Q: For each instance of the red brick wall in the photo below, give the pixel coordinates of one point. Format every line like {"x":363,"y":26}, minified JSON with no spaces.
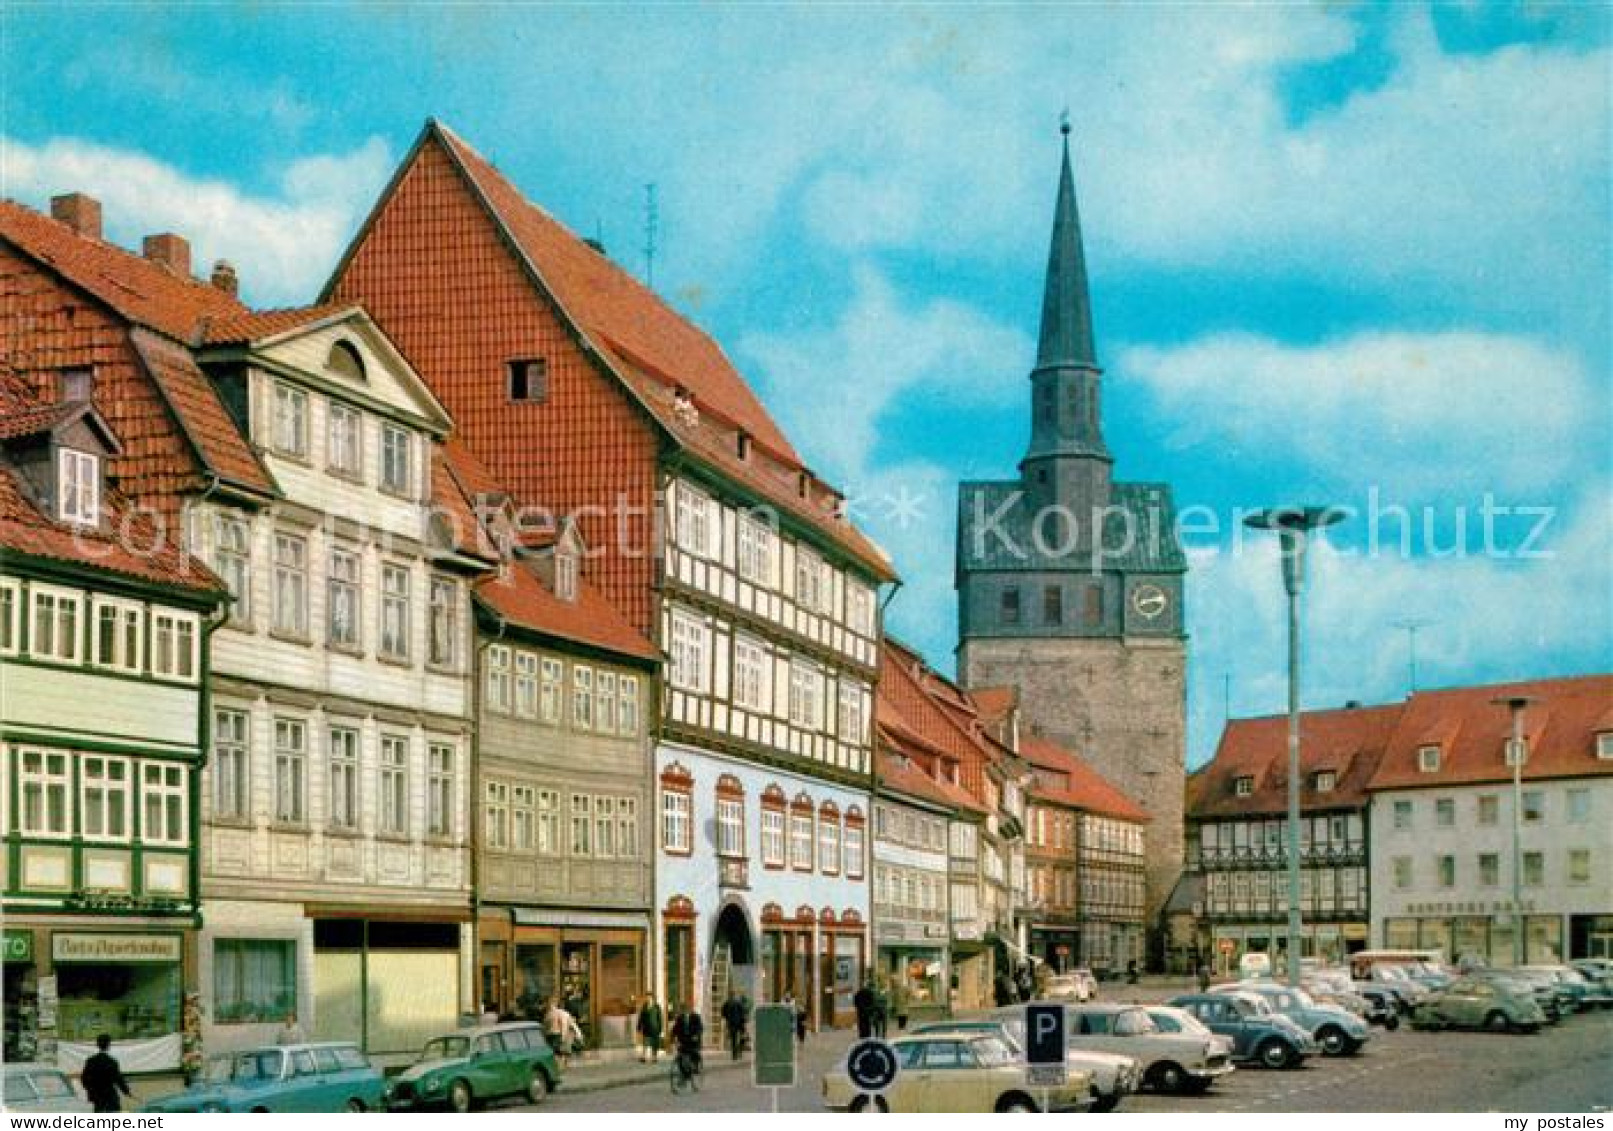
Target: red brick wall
{"x":435,"y":274}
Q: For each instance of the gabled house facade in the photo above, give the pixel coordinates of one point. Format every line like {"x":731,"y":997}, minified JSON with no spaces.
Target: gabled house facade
{"x":584,"y":392}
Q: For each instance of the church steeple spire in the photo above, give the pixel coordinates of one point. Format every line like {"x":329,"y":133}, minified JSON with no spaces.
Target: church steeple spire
{"x":1066,"y":337}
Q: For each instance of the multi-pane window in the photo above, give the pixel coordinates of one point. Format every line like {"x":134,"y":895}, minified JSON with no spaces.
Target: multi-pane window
{"x":773,"y":835}
{"x":498,"y":679}
{"x":442,"y":646}
{"x":627,"y":827}
{"x":104,"y":798}
{"x":860,"y":607}
{"x":1534,"y":869}
{"x":526,"y":685}
{"x":548,"y":813}
{"x":496,"y":834}
{"x":605,"y":827}
{"x":1489,"y":809}
{"x":10,"y":610}
{"x":394,"y":459}
{"x":751,"y":678}
{"x":850,"y":721}
{"x":1579,"y":806}
{"x":801,"y":841}
{"x":676,"y":824}
{"x":1534,"y":806}
{"x":1445,"y":812}
{"x":290,"y":771}
{"x":755,"y":552}
{"x":342,"y":448}
{"x":605,"y":702}
{"x":1579,"y":865}
{"x":811,"y":580}
{"x":342,"y":612}
{"x":78,"y":487}
{"x":553,"y":672}
{"x":1402,"y":869}
{"x":118,"y":635}
{"x":1446,"y":869}
{"x":232,"y":766}
{"x":291,"y":584}
{"x":343,"y":766}
{"x":523,"y":805}
{"x":691,"y":645}
{"x":54,"y":633}
{"x":394,"y":785}
{"x":1428,"y":759}
{"x":565,"y":576}
{"x":163,"y":804}
{"x":829,"y":843}
{"x":582,"y":697}
{"x":232,"y":561}
{"x":806,"y":689}
{"x":290,"y":421}
{"x":1052,"y":604}
{"x":852,"y":843}
{"x":1009,"y":610}
{"x":582,"y":828}
{"x":730,"y":826}
{"x":173,"y":645}
{"x":1402,"y":814}
{"x":627,"y":714}
{"x":693,"y":520}
{"x":1489,"y":869}
{"x":395,"y":612}
{"x":440,"y":790}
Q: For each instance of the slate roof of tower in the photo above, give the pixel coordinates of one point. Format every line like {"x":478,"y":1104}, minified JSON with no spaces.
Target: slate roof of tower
{"x":1066,"y":331}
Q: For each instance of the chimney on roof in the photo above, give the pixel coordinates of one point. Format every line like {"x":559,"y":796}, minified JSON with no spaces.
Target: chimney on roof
{"x":79,"y":212}
{"x":1352,"y":704}
{"x":595,"y":243}
{"x":223,"y":277}
{"x":166,"y":249}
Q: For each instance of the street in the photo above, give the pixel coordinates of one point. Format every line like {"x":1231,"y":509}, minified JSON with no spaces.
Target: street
{"x":1563,"y":1069}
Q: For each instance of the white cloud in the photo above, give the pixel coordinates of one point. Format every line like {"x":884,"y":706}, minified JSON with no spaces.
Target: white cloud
{"x":1414,"y":414}
{"x":282,"y":245}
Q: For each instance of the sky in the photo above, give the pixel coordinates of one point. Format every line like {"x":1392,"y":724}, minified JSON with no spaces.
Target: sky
{"x":1338,"y":254}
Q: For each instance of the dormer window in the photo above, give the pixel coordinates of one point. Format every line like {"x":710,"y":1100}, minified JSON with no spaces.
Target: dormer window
{"x":1604,"y":746}
{"x":1428,"y":759}
{"x":529,"y":379}
{"x":77,"y":385}
{"x":78,"y":487}
{"x":1517,"y":752}
{"x":1323,"y":781}
{"x":1243,"y":785}
{"x":565,"y":576}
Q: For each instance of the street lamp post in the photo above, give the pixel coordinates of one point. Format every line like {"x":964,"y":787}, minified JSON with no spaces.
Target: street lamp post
{"x":1293,"y":526}
{"x":1516,"y":704}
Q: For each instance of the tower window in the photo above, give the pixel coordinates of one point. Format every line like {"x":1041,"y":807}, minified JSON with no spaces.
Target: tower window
{"x":1053,"y":605}
{"x":1094,"y":605}
{"x":529,"y":379}
{"x":1010,"y":606}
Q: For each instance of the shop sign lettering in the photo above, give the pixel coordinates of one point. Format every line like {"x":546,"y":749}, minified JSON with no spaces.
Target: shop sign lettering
{"x":74,"y":947}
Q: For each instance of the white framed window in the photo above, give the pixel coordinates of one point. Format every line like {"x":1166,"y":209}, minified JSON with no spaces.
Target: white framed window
{"x":691,"y":654}
{"x":675,"y":821}
{"x":344,"y":599}
{"x":343,"y":450}
{"x":693,"y":521}
{"x":78,"y":487}
{"x":1445,"y":812}
{"x":627,"y":715}
{"x":604,"y":827}
{"x":1428,"y":759}
{"x":549,"y":690}
{"x":1324,"y":781}
{"x":394,"y":785}
{"x":175,"y":644}
{"x":806,"y":694}
{"x":290,"y":420}
{"x":103,"y":790}
{"x":1579,"y":806}
{"x":232,"y":561}
{"x":1402,"y":814}
{"x":605,"y":702}
{"x":526,"y":685}
{"x":1243,"y":785}
{"x":396,"y":463}
{"x":1534,"y":869}
{"x":118,"y":634}
{"x":582,"y":824}
{"x":1534,"y":806}
{"x":440,"y":790}
{"x":753,"y":681}
{"x":582,"y":697}
{"x":291,"y":584}
{"x":496,"y":822}
{"x":498,"y":679}
{"x":163,"y":804}
{"x":850,"y":720}
{"x":442,"y":645}
{"x":565,"y":576}
{"x":1489,"y":807}
{"x":1579,"y":865}
{"x":730,"y":826}
{"x":232,"y":766}
{"x":811,"y":580}
{"x":44,"y":781}
{"x":55,"y":627}
{"x":395,"y":612}
{"x":10,"y":616}
{"x":852,"y":842}
{"x":548,"y":816}
{"x":1604,"y":745}
{"x":859,"y":608}
{"x":523,"y":806}
{"x":343,"y":764}
{"x":627,"y":838}
{"x":829,"y":843}
{"x":1517,"y":752}
{"x":755,"y":551}
{"x":290,"y":771}
{"x":772,"y":836}
{"x":801,"y":841}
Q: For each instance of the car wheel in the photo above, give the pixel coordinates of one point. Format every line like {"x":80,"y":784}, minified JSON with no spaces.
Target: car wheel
{"x":1015,"y":1103}
{"x":1275,"y":1054}
{"x":459,"y":1096}
{"x":1106,"y":1103}
{"x":537,"y":1088}
{"x":1497,"y":1022}
{"x":875,"y":1104}
{"x":355,"y":1106}
{"x":1168,"y":1077}
{"x":1334,"y":1041}
{"x":1392,"y":1022}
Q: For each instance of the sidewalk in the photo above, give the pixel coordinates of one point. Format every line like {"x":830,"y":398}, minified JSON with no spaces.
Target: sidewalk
{"x":598,"y":1076}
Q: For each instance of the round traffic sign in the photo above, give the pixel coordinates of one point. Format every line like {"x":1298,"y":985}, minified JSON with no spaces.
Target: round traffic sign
{"x":872,"y":1065}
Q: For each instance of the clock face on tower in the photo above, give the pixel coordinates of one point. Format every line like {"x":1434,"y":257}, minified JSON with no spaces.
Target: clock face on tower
{"x":1149,"y":601}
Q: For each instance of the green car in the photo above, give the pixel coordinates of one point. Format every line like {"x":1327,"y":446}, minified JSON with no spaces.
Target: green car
{"x":312,"y":1077}
{"x":459,"y":1070}
{"x":1472,"y":1003}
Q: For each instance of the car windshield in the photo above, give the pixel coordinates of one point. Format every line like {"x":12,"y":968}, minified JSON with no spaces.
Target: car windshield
{"x":446,"y":1048}
{"x":993,"y":1052}
{"x":243,"y":1067}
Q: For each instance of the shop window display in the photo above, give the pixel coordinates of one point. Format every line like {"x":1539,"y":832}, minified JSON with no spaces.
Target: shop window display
{"x":254,"y":980}
{"x":131,"y":1002}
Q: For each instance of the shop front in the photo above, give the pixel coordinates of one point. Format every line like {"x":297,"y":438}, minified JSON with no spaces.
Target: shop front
{"x":592,"y":963}
{"x":21,"y":987}
{"x":1330,"y":943}
{"x":843,"y":955}
{"x":970,"y":961}
{"x":1059,"y":947}
{"x":914,"y":969}
{"x":788,"y":969}
{"x":1490,"y":938}
{"x":388,"y":984}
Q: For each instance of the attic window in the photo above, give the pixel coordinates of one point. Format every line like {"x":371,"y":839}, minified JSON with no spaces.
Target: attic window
{"x":1517,"y":752}
{"x":742,"y":445}
{"x":1323,"y":781}
{"x":77,"y":384}
{"x":1604,"y":746}
{"x":565,"y":576}
{"x":78,"y":487}
{"x":1243,"y":785}
{"x":344,"y":361}
{"x":1428,"y":759}
{"x":529,"y":380}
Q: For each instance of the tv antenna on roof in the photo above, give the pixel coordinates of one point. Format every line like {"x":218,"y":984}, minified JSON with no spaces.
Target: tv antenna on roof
{"x":652,"y":222}
{"x":1410,"y":626}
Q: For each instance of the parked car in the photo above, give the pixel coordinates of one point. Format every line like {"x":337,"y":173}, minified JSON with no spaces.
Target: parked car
{"x":297,"y":1078}
{"x":1582,"y":991}
{"x":1077,"y":985}
{"x":1171,"y":1061}
{"x":1258,"y":1035}
{"x":956,"y":1071}
{"x":41,"y":1088}
{"x":1598,"y":972}
{"x":1114,"y":1077}
{"x":1337,"y":1031}
{"x":1171,"y":1023}
{"x":462,"y":1069}
{"x":1554,"y":998}
{"x":1337,"y":987}
{"x":1475,"y":1003}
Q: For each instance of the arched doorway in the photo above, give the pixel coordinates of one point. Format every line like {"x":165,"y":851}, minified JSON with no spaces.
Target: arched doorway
{"x":733,"y":961}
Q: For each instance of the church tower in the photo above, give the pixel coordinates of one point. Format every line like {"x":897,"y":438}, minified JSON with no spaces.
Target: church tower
{"x":1070,"y":583}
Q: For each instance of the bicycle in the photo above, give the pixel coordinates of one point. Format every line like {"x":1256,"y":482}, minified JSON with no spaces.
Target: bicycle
{"x":685,"y":1072}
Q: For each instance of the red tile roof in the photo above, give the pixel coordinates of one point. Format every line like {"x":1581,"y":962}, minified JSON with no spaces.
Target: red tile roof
{"x":900,"y":775}
{"x":520,"y":597}
{"x":15,"y":422}
{"x":916,"y":705}
{"x":1560,"y":730}
{"x":1081,"y":787}
{"x":255,"y":325}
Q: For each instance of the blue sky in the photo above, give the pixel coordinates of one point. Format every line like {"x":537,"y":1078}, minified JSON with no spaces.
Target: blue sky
{"x":1352,"y":255}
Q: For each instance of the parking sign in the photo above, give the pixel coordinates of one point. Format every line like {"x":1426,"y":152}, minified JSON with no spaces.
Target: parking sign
{"x":1044,"y":1034}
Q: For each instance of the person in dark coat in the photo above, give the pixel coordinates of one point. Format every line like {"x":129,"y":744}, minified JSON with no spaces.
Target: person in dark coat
{"x":863,"y":1002}
{"x":734,"y":1016}
{"x":1002,"y":990}
{"x":651,"y":1021}
{"x":103,"y":1078}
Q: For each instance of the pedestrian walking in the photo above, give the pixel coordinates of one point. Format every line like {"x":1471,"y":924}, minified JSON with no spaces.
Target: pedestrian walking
{"x":881,"y":1011}
{"x":565,"y":1035}
{"x":650,"y":1023}
{"x":102,"y":1077}
{"x":863,"y":1002}
{"x":734,"y":1018}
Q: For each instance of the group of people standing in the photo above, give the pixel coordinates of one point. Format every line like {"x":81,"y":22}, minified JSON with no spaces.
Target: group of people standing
{"x":688,"y":1028}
